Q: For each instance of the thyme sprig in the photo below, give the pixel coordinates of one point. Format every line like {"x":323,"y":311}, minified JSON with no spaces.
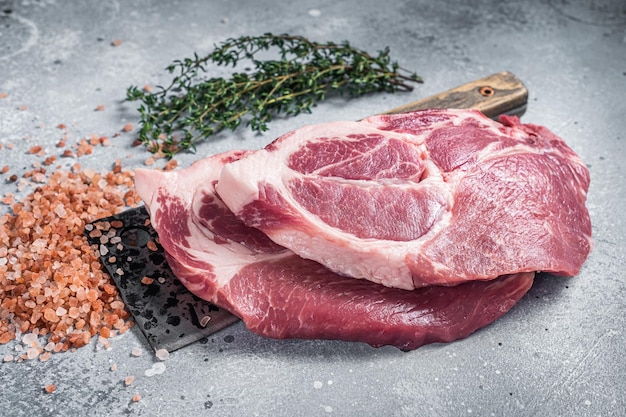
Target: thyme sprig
{"x":193,"y":107}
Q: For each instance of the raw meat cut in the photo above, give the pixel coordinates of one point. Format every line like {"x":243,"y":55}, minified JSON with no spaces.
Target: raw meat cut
{"x":281,"y":295}
{"x":436,"y":197}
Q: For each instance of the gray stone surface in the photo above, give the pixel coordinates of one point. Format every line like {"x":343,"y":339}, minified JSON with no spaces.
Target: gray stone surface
{"x":558,"y":352}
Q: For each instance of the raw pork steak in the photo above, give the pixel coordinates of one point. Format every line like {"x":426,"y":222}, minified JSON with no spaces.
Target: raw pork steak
{"x":433,"y":197}
{"x":280,"y":295}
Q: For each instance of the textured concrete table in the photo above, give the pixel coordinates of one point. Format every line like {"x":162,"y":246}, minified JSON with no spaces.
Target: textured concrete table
{"x":558,"y":352}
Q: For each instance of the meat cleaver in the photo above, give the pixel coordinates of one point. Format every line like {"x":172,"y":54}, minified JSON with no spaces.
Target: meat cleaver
{"x":169,"y":315}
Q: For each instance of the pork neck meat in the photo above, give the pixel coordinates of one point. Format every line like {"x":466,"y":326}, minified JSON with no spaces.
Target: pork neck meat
{"x":436,"y":197}
{"x":278,"y":294}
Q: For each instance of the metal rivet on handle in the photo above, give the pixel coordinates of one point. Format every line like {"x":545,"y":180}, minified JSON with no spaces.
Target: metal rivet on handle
{"x":486,"y":91}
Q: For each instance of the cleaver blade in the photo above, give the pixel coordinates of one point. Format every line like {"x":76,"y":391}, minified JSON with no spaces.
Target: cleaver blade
{"x":168,"y":314}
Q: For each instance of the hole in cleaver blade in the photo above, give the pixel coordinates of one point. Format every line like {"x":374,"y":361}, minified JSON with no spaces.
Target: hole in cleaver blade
{"x":168,"y":314}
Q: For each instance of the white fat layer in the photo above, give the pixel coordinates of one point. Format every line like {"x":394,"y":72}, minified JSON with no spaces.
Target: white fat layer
{"x":188,"y":186}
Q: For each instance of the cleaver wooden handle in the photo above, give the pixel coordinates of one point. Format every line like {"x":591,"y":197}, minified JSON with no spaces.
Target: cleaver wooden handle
{"x":496,"y":94}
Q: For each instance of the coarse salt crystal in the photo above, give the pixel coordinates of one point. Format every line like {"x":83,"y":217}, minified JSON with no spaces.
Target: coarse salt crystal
{"x":74,"y":312}
{"x":117,"y":305}
{"x":60,"y":210}
{"x":136,"y":352}
{"x":29,"y":339}
{"x":156,"y":369}
{"x":162,"y":354}
{"x":147,"y":280}
{"x":32,"y":353}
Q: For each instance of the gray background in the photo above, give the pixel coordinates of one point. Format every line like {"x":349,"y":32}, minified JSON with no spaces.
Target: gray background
{"x":558,"y":352}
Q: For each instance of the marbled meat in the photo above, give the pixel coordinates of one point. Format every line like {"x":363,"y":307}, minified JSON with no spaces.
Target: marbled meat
{"x":279,"y":294}
{"x":436,"y":197}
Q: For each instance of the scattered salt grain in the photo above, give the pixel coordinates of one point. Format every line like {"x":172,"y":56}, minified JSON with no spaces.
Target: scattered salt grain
{"x":147,"y":280}
{"x":119,"y":305}
{"x":156,"y":369}
{"x":162,"y":354}
{"x":60,"y":211}
{"x":32,"y":353}
{"x":30,"y":339}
